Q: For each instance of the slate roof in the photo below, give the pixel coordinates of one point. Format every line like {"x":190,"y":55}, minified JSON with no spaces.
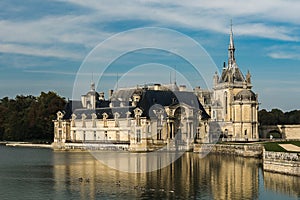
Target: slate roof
{"x":70,"y":106}
{"x":150,"y":100}
{"x":232,"y":73}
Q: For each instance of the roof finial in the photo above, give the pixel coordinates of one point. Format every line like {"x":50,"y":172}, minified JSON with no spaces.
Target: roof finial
{"x":175,"y":76}
{"x":92,"y":83}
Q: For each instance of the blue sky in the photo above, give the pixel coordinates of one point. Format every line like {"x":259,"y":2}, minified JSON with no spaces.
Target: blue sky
{"x":43,"y":43}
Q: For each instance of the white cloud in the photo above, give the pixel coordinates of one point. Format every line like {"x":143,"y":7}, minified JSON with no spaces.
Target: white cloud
{"x":251,"y":19}
{"x":64,"y":31}
{"x":38,"y":51}
{"x":284,"y":52}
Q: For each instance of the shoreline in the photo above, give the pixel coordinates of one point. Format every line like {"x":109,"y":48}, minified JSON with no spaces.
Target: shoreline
{"x":278,"y":162}
{"x":26,"y":144}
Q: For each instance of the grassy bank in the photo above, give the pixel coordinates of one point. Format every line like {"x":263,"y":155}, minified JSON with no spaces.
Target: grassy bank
{"x":274,"y":146}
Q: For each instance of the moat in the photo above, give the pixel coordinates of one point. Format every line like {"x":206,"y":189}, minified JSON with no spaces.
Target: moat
{"x":32,"y":173}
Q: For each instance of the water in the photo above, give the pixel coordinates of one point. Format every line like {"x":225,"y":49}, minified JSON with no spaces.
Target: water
{"x":28,"y":173}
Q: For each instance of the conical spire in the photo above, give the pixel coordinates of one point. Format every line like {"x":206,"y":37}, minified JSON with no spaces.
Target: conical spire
{"x":231,"y":49}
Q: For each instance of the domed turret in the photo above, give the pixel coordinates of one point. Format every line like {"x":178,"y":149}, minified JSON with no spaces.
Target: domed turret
{"x":245,"y":95}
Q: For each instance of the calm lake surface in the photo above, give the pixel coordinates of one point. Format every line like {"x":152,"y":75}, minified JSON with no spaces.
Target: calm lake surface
{"x":29,"y":173}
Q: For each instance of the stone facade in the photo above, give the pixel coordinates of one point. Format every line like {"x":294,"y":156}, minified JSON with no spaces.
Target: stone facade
{"x":232,"y":103}
{"x":144,"y":119}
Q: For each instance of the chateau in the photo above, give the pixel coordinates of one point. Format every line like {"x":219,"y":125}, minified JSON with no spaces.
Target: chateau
{"x":159,"y":116}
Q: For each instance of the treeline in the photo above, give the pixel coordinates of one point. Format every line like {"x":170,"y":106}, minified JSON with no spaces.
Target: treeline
{"x":276,"y":116}
{"x":29,"y":118}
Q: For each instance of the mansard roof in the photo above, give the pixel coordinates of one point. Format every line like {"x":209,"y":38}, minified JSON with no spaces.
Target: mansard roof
{"x":154,"y":98}
{"x":70,"y":106}
{"x":73,"y":105}
{"x":149,"y":100}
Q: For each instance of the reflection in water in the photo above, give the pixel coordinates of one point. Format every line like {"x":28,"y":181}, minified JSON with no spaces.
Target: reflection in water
{"x":43,"y":174}
{"x":282,"y":183}
{"x":218,"y":177}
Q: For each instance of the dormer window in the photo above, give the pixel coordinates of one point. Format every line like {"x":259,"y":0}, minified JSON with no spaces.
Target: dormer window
{"x":138,"y":112}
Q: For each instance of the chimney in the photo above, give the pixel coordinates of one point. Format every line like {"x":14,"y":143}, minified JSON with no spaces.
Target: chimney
{"x":101,"y":96}
{"x":182,"y":88}
{"x":157,"y":86}
{"x":110,"y":93}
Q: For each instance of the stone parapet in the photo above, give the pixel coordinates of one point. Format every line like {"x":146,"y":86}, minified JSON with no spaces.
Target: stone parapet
{"x":90,"y":146}
{"x":250,"y":150}
{"x":282,"y":162}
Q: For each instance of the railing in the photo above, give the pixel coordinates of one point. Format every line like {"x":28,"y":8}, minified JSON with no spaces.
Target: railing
{"x":103,"y":141}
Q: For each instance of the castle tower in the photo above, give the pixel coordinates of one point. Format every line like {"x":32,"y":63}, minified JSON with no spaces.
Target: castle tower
{"x":234,"y":103}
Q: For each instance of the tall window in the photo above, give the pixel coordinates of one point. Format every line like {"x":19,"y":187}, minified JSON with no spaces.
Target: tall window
{"x":138,"y":120}
{"x":59,"y":135}
{"x":138,"y":136}
{"x":105,"y":135}
{"x":226,"y":102}
{"x":158,"y":134}
{"x":198,"y":133}
{"x":74,"y":135}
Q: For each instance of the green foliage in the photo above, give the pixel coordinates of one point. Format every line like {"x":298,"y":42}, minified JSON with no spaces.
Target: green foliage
{"x":28,"y":118}
{"x":276,"y":116}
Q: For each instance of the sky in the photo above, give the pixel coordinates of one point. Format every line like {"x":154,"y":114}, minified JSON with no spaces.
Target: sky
{"x":44,"y":44}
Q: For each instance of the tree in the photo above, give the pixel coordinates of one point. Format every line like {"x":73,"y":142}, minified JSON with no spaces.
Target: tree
{"x":28,"y":118}
{"x":276,"y":116}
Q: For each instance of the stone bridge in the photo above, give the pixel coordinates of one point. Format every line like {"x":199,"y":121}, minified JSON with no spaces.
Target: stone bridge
{"x":280,"y":131}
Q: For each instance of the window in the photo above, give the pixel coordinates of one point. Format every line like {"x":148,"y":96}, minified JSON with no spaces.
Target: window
{"x":226,"y":102}
{"x":105,"y":135}
{"x":158,"y":134}
{"x":74,"y":135}
{"x":59,"y":135}
{"x":95,"y":135}
{"x":138,"y":136}
{"x":198,"y":133}
{"x":118,"y":135}
{"x":138,"y":120}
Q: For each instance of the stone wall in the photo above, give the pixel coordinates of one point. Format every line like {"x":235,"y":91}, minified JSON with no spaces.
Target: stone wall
{"x":289,"y":132}
{"x":249,"y":150}
{"x":282,"y":162}
{"x":90,"y":146}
